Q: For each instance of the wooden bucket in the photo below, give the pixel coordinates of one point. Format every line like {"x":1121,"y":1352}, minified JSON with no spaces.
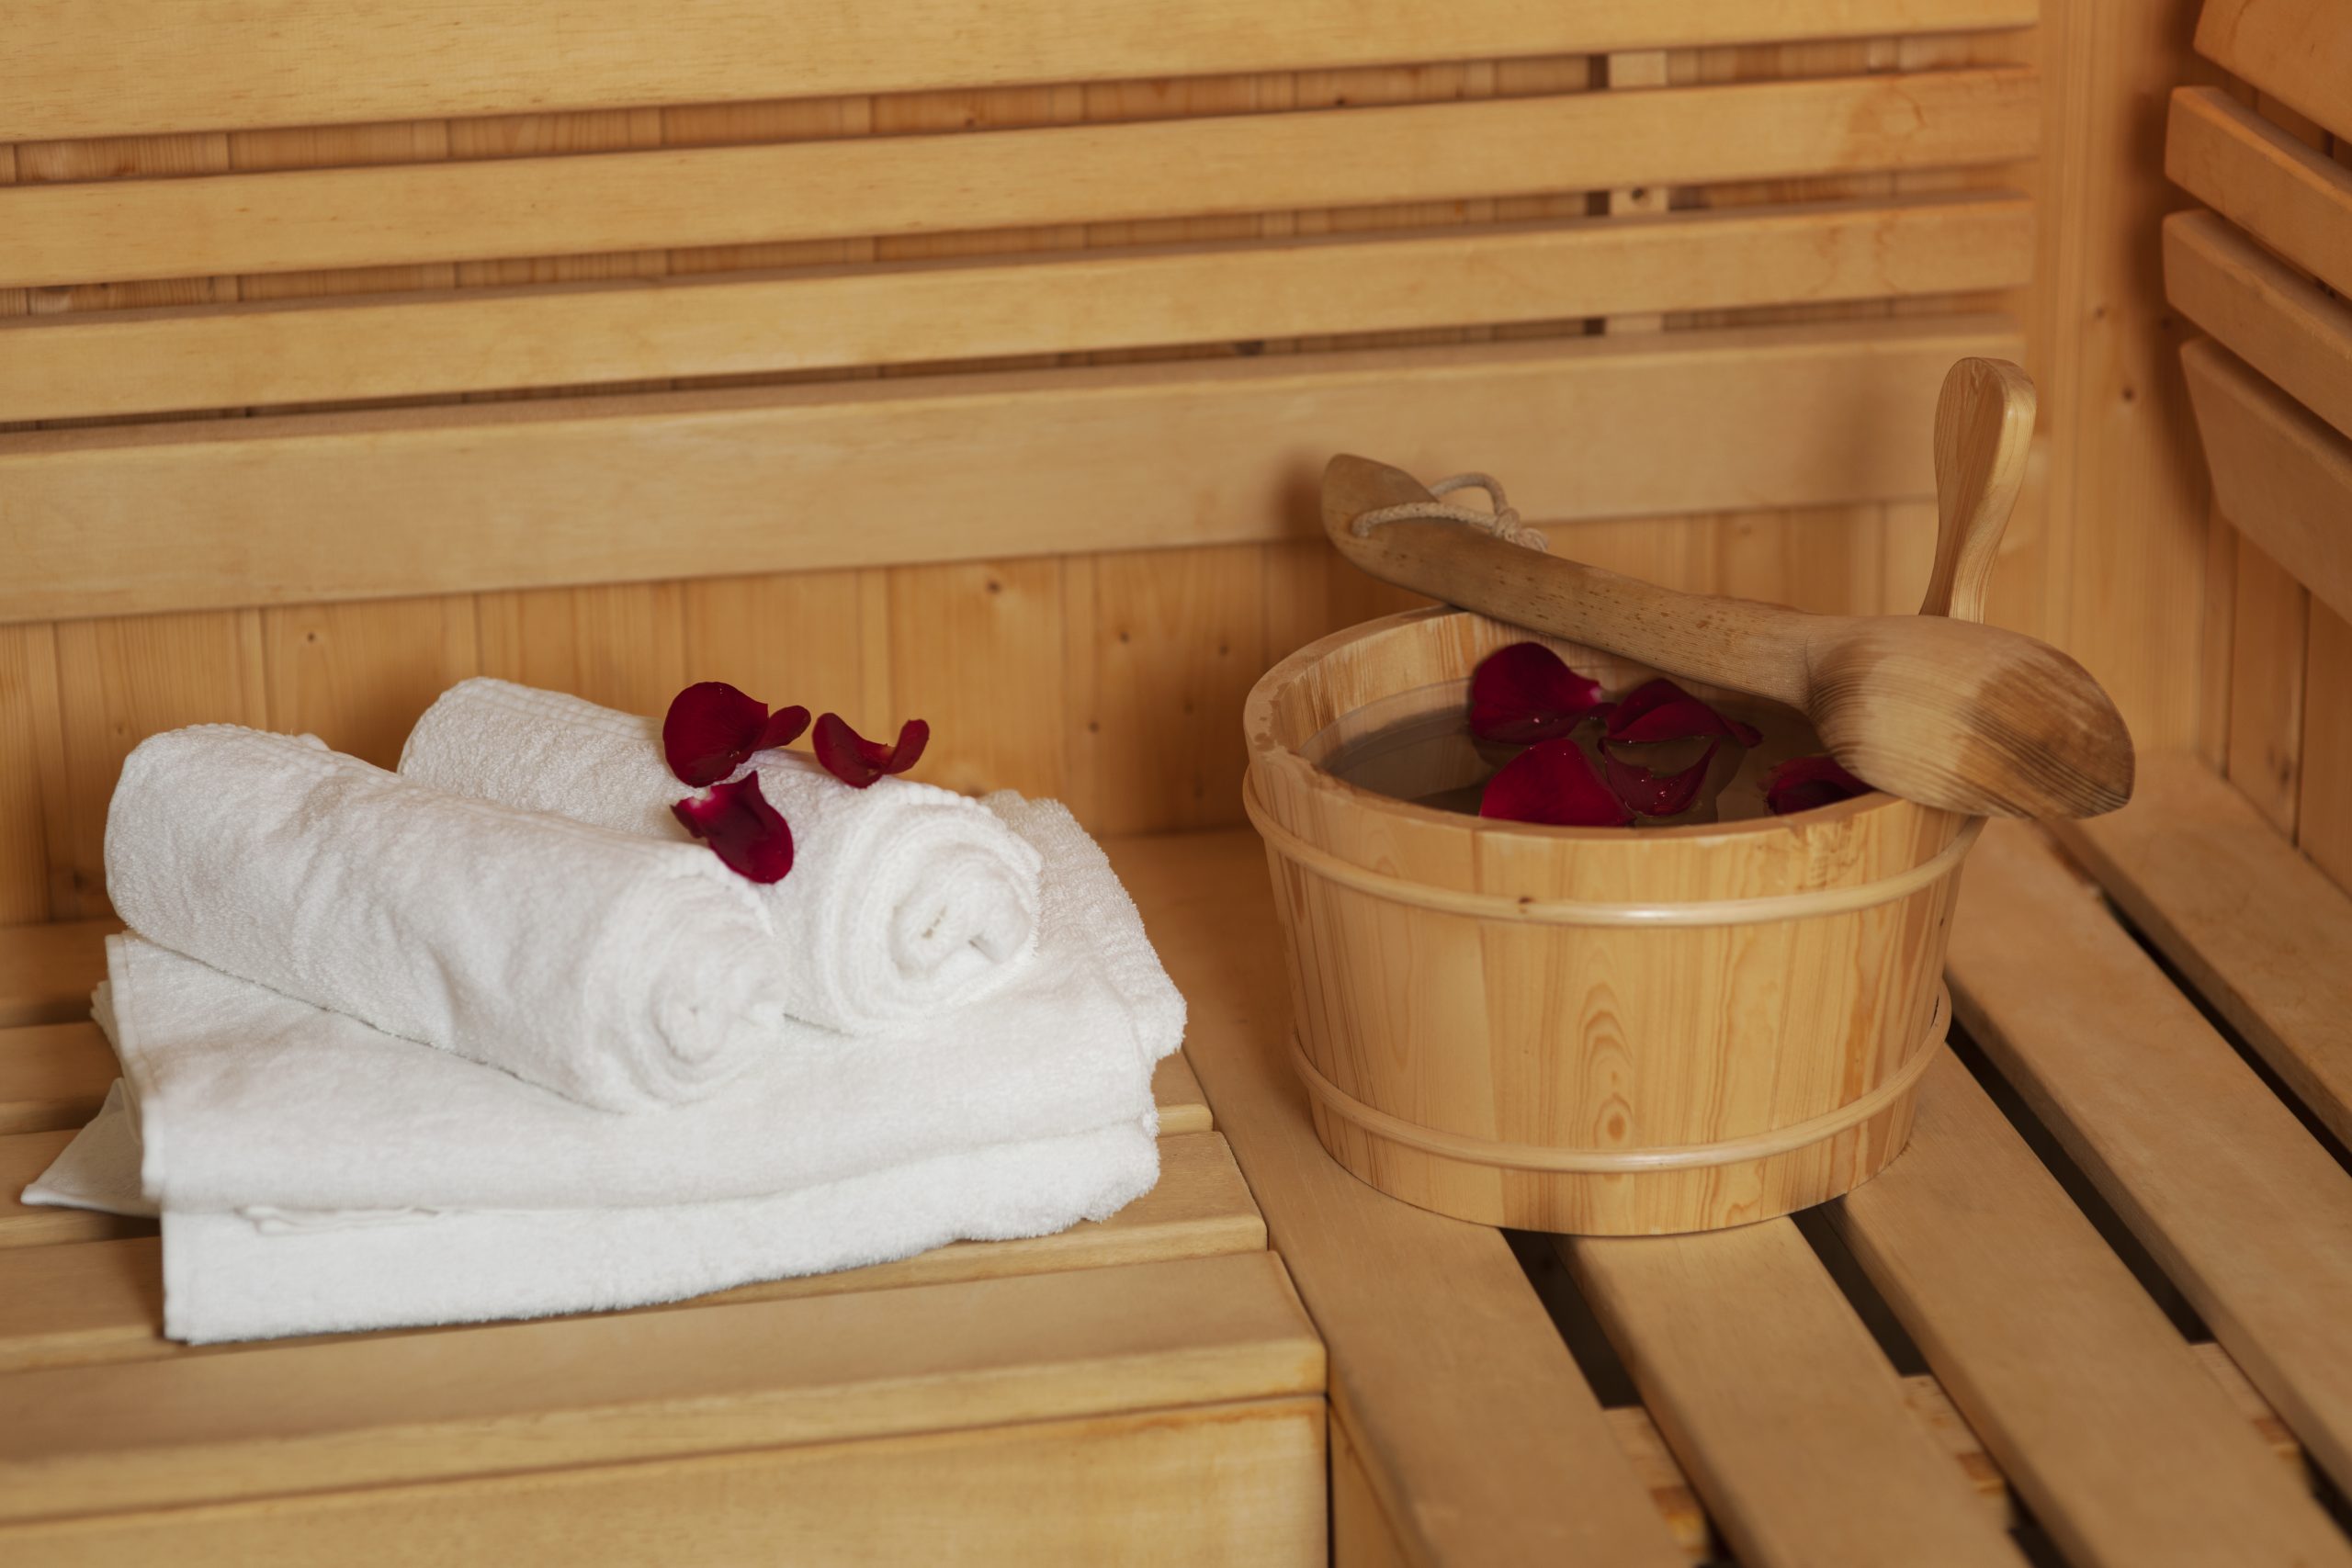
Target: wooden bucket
{"x":1589,"y":1029}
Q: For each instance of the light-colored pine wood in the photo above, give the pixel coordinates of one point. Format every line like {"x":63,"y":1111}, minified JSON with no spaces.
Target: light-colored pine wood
{"x":2266,"y":312}
{"x":1955,"y":714}
{"x":2123,"y":1448}
{"x":619,"y":644}
{"x":104,"y":1302}
{"x":2217,"y":642}
{"x":405,"y":1408}
{"x":1360,"y":1536}
{"x":2293,"y":200}
{"x":47,"y":971}
{"x":2270,"y":615}
{"x":2323,"y":827}
{"x":1239,"y":1483}
{"x":903,"y":185}
{"x":1767,"y":1386}
{"x":2299,"y":50}
{"x":1644,"y":1053}
{"x":28,"y":709}
{"x":2259,"y":933}
{"x":620,"y":488}
{"x":126,"y":362}
{"x":160,"y":68}
{"x":2187,"y":1147}
{"x":359,"y":675}
{"x":52,"y":1076}
{"x":2281,"y":475}
{"x":996,"y":724}
{"x":1455,"y":1430}
{"x":23,"y":1157}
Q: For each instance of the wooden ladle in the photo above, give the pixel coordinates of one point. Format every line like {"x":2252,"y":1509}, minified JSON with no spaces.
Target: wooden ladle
{"x":1934,"y":707}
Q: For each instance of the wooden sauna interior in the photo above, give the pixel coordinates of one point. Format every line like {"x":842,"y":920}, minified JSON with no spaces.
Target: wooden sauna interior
{"x":977,"y":363}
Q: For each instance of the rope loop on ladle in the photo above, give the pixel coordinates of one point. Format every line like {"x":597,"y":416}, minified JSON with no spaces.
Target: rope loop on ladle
{"x":1502,"y":522}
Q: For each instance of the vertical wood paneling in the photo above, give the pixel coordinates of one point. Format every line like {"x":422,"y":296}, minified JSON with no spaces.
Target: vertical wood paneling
{"x":1157,"y":682}
{"x":975,"y":649}
{"x":790,"y":638}
{"x":358,"y":675}
{"x":2266,"y":727}
{"x":119,"y":681}
{"x":619,"y":644}
{"x":27,"y":695}
{"x":2325,"y":828}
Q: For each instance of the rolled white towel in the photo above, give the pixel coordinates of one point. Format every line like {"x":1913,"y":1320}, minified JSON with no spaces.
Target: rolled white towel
{"x":904,"y":899}
{"x":619,"y":971}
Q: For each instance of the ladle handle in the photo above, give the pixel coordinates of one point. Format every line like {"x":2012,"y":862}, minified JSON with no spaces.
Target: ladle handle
{"x":1983,"y":433}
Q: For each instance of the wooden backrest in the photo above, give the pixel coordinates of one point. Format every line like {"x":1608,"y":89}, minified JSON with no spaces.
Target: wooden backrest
{"x":2265,"y":271}
{"x":858,"y":370}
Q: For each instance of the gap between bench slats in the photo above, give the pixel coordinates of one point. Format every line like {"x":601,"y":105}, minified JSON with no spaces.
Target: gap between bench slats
{"x":2299,"y":51}
{"x":217,"y":512}
{"x":158,"y":65}
{"x":2296,"y":201}
{"x":2126,"y":1452}
{"x":124,"y":362}
{"x":2268,"y":313}
{"x":863,"y":188}
{"x":2242,"y":1211}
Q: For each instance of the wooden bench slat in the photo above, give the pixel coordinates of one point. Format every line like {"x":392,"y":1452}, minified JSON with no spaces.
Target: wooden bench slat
{"x":154,"y":65}
{"x":104,"y":1303}
{"x":2239,"y":1206}
{"x":1477,"y":1434}
{"x":2299,"y":51}
{"x":124,"y":520}
{"x":1789,"y":1423}
{"x":2269,"y":315}
{"x":47,"y":972}
{"x":2097,"y":1412}
{"x":126,"y":362}
{"x":2296,"y":201}
{"x":867,"y":187}
{"x":2261,"y":933}
{"x":1238,"y":1485}
{"x":52,"y":1076}
{"x":1183,"y":1107}
{"x":2281,"y":475}
{"x":403,"y":1408}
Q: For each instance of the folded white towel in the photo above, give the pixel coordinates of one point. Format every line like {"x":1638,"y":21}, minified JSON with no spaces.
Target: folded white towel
{"x":617,"y":970}
{"x":903,"y":899}
{"x":249,"y":1099}
{"x":263,"y":1273}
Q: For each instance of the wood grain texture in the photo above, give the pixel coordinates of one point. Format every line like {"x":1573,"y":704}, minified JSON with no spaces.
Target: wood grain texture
{"x":359,"y":675}
{"x":2123,"y":1448}
{"x":561,"y":491}
{"x":1764,"y":1383}
{"x":162,"y":67}
{"x":2324,"y":823}
{"x":1240,"y":1482}
{"x":1455,"y":1430}
{"x":104,"y":1302}
{"x":860,"y":187}
{"x":2184,"y":1147}
{"x":52,"y":1076}
{"x":2298,"y":51}
{"x":47,"y":970}
{"x":2293,"y":200}
{"x":2270,"y":615}
{"x":29,"y":718}
{"x":2266,"y":312}
{"x":2279,"y":474}
{"x":388,"y":1409}
{"x":2257,"y":929}
{"x":463,"y":340}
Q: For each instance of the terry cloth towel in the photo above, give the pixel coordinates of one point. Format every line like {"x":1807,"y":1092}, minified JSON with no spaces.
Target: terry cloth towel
{"x":263,"y":1273}
{"x":903,"y":900}
{"x":616,"y":970}
{"x":248,"y":1098}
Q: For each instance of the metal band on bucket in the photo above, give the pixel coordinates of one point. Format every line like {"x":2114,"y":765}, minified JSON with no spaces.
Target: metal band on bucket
{"x":1808,"y":904}
{"x":1460,"y":1146}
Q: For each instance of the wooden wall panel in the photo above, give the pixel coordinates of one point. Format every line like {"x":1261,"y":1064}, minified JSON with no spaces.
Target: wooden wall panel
{"x":976,"y":650}
{"x":2324,"y":825}
{"x":27,"y":706}
{"x":357,"y":675}
{"x":2265,"y":723}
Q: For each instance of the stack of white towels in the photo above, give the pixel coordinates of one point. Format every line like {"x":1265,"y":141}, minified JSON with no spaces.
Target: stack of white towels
{"x":491,"y":1037}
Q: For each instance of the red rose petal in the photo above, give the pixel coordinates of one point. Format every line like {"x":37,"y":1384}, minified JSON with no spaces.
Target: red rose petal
{"x":1552,"y":782}
{"x":745,"y":832}
{"x":1526,"y":692}
{"x":1661,"y":710}
{"x":857,"y":762}
{"x":1802,"y":782}
{"x":783,"y":727}
{"x":712,"y":730}
{"x":1657,"y":795}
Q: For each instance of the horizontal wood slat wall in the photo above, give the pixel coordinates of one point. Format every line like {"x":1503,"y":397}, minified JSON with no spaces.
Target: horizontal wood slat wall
{"x":2265,"y":273}
{"x":166,"y":65}
{"x":864,"y":577}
